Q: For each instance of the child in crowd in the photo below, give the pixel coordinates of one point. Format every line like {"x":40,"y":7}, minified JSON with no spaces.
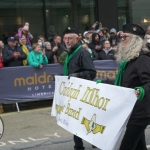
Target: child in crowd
{"x":25,"y":33}
{"x":36,"y":57}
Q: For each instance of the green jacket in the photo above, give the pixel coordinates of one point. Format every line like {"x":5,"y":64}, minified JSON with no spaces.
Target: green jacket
{"x":36,"y":59}
{"x":62,"y":57}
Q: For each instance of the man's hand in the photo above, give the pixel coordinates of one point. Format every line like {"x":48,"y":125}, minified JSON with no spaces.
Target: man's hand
{"x":96,"y":22}
{"x":43,"y":52}
{"x":73,"y":75}
{"x":55,"y":49}
{"x":28,"y":32}
{"x":16,"y":55}
{"x":98,"y":47}
{"x":137,"y":92}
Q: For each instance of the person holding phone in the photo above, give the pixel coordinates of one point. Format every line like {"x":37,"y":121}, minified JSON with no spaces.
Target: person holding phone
{"x":12,"y":54}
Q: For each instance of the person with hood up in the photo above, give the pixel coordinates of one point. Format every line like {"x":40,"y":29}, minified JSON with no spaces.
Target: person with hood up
{"x":92,"y":53}
{"x":106,"y":33}
{"x":101,"y":35}
{"x":24,"y":32}
{"x":96,"y":44}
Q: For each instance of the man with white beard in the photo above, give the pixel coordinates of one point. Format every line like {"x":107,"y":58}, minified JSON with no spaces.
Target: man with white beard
{"x":134,"y":72}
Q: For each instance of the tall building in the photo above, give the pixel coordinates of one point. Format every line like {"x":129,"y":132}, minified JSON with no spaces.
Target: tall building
{"x":48,"y":16}
{"x":133,"y":11}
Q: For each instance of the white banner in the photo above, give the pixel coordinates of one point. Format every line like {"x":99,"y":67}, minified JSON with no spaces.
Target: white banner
{"x":97,"y":113}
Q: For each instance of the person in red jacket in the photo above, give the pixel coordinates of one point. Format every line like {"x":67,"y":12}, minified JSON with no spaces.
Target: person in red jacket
{"x":1,"y":60}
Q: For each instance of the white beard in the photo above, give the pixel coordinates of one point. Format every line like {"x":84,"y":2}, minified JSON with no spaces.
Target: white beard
{"x":131,"y":51}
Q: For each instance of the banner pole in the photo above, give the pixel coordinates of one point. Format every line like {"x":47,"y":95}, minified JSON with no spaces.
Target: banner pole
{"x":17,"y":107}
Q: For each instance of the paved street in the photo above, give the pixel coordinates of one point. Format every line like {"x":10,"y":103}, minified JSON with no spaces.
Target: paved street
{"x":36,"y":130}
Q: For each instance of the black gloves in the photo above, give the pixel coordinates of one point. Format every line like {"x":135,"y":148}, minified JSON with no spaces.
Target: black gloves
{"x":73,"y":75}
{"x":107,"y":81}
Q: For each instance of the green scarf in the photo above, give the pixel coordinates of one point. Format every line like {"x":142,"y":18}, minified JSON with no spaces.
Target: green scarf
{"x":118,"y":80}
{"x":67,"y":60}
{"x":91,"y":54}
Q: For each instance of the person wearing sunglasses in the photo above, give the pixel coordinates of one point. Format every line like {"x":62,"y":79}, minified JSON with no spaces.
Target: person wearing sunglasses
{"x":134,"y":72}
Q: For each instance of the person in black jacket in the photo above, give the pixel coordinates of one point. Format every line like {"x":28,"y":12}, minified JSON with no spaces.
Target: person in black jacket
{"x":107,"y":53}
{"x":57,"y":42}
{"x":12,"y":54}
{"x":96,"y":44}
{"x":50,"y":52}
{"x":92,"y":53}
{"x":134,"y":72}
{"x":80,"y":66}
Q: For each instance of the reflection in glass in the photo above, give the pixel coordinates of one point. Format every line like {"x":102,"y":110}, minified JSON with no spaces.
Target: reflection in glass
{"x":63,"y":13}
{"x":52,"y":18}
{"x":14,"y":14}
{"x":135,"y":11}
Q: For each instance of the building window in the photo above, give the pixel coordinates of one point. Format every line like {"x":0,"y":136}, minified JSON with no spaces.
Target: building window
{"x":133,"y":11}
{"x":45,"y":17}
{"x":140,"y":12}
{"x":63,"y":13}
{"x":14,"y":14}
{"x":122,"y":13}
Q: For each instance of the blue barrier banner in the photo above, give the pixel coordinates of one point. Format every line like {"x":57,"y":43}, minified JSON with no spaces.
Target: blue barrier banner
{"x":106,"y":69}
{"x":26,"y":83}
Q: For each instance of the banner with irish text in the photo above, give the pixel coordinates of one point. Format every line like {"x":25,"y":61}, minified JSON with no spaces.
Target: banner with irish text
{"x":97,"y":113}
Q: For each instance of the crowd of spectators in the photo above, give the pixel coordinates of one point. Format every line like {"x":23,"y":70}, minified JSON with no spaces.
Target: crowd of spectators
{"x":22,"y":49}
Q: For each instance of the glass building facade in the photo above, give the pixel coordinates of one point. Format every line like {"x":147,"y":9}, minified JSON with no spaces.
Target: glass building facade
{"x":45,"y":16}
{"x":48,"y":16}
{"x":134,"y":11}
